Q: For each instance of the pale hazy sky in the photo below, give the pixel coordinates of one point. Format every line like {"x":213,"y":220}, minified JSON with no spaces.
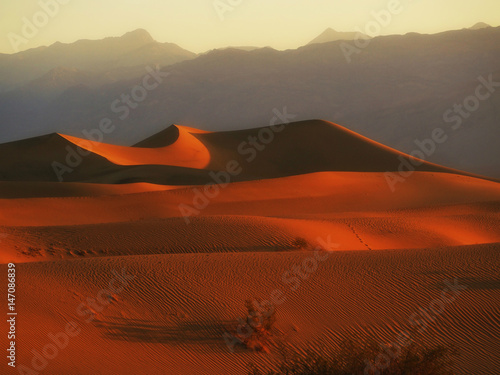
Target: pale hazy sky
{"x":196,"y":26}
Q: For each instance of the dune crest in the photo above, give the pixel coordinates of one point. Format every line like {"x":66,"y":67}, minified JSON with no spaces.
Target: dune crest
{"x":185,"y":151}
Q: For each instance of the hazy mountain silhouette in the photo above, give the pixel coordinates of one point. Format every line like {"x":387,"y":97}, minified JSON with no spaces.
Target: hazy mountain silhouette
{"x":132,"y":49}
{"x":395,"y":91}
{"x":479,"y":25}
{"x":331,"y":35}
{"x":243,"y":48}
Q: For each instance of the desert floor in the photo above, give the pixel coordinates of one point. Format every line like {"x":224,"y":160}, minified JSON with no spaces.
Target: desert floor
{"x":148,"y":291}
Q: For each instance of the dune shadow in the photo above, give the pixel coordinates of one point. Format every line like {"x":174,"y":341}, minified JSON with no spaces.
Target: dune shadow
{"x":207,"y":333}
{"x":473,"y":283}
{"x":481,"y":284}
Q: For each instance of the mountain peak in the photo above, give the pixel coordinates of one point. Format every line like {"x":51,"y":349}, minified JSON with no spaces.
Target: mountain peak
{"x":332,"y":35}
{"x":138,"y":36}
{"x":479,"y":25}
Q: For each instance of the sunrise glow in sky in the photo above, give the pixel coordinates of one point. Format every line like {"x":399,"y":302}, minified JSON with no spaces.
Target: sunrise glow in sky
{"x":200,"y":25}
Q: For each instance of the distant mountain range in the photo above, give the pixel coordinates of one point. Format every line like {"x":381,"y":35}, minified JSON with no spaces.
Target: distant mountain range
{"x":115,"y":57}
{"x":396,"y":91}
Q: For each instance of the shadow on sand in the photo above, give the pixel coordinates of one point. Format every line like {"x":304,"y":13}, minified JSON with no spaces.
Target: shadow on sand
{"x":203,"y":333}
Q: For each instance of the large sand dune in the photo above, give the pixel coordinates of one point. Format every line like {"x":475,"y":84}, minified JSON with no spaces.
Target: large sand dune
{"x":181,"y":156}
{"x":197,"y":252}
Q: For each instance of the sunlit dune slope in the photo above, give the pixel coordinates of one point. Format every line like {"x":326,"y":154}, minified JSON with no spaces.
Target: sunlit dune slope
{"x":318,"y":193}
{"x":424,"y":228}
{"x":184,"y":151}
{"x":429,"y":210}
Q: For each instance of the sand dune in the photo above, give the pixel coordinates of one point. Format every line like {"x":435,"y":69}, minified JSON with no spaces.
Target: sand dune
{"x":184,"y":156}
{"x":430,"y":210}
{"x":197,"y":252}
{"x":305,"y":147}
{"x":323,"y":193}
{"x":33,"y":160}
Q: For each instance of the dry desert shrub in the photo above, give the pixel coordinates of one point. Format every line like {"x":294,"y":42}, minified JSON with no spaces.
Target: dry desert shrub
{"x":361,"y":358}
{"x":300,"y":243}
{"x":255,"y":331}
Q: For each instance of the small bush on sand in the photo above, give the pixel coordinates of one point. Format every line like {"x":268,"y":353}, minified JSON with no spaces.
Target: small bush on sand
{"x":300,"y":243}
{"x":256,"y":329}
{"x":357,"y":358}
